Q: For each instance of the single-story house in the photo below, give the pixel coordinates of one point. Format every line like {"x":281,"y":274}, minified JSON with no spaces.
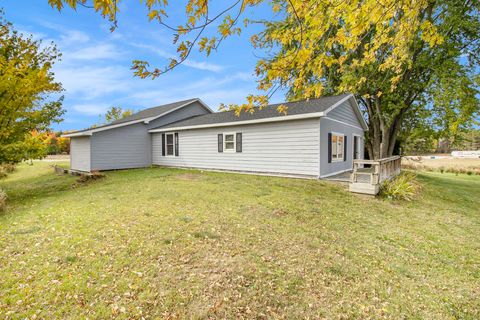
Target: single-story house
{"x":316,"y":138}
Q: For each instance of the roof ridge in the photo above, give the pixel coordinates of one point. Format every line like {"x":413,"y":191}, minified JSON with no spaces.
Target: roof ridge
{"x":280,"y":103}
{"x":309,"y":99}
{"x":166,"y":104}
{"x":134,"y":118}
{"x":305,"y":106}
{"x":287,"y":102}
{"x":181,"y":102}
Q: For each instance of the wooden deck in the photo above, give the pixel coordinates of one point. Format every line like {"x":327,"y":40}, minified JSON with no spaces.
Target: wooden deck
{"x":341,"y":177}
{"x":347,"y":176}
{"x":368,"y":175}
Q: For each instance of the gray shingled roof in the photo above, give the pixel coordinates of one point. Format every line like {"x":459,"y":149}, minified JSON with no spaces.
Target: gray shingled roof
{"x":145,"y":114}
{"x":294,"y":108}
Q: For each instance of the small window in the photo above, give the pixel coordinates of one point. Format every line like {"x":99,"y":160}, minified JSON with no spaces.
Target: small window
{"x":229,"y":141}
{"x":170,"y":144}
{"x":337,"y":146}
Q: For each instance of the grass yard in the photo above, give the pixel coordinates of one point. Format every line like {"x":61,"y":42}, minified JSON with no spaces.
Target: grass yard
{"x":168,"y":243}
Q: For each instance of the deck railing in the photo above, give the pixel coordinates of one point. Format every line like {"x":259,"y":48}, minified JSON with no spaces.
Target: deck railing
{"x":373,"y":173}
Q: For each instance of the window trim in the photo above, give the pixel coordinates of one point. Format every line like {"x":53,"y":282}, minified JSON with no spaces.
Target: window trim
{"x":234,"y":134}
{"x":337,"y":159}
{"x":166,"y":144}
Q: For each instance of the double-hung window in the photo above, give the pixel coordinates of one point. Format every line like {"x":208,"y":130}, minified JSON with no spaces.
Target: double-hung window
{"x":337,"y":144}
{"x":169,"y":144}
{"x":229,"y":142}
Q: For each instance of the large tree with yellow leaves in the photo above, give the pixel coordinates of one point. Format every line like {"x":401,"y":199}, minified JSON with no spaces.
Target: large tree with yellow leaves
{"x":29,"y":95}
{"x":396,"y":56}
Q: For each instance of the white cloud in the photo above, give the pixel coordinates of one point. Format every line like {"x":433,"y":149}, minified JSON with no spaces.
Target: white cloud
{"x":91,"y":109}
{"x":212,"y":90}
{"x":95,"y":52}
{"x":243,"y":76}
{"x":203,"y":65}
{"x":200,"y":65}
{"x":66,"y":36}
{"x":69,"y":37}
{"x":156,"y":50}
{"x":90,"y":82}
{"x":95,"y":72}
{"x":35,"y":35}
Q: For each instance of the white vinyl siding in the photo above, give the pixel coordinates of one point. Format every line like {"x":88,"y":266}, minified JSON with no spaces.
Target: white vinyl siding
{"x":289,"y":147}
{"x":344,"y":113}
{"x":80,"y":154}
{"x":130,"y":146}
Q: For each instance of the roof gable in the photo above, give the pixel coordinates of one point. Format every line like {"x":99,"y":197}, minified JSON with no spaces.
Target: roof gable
{"x":145,"y":115}
{"x":348,"y":112}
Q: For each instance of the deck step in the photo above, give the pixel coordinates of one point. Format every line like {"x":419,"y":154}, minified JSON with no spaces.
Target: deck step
{"x":365,"y":188}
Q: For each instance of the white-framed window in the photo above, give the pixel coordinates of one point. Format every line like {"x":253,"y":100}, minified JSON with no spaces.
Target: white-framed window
{"x":337,"y":146}
{"x":229,"y":141}
{"x":169,"y":144}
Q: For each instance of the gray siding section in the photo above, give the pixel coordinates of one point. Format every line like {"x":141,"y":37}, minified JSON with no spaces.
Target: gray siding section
{"x":80,"y":153}
{"x":287,"y":147}
{"x":344,"y":113}
{"x":121,"y":148}
{"x":194,"y":109}
{"x":326,"y":126}
{"x":130,"y":146}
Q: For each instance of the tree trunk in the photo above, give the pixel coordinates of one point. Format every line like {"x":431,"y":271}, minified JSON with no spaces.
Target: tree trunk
{"x":381,"y":136}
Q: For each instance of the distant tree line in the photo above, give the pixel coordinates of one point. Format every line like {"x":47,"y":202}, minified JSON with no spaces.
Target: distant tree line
{"x":431,"y":141}
{"x":53,"y":142}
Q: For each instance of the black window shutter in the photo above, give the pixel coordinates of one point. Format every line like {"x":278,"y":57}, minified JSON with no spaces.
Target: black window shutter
{"x":176,"y":144}
{"x":239,"y":142}
{"x":220,"y":142}
{"x":163,"y":144}
{"x":329,"y":147}
{"x":355,"y":146}
{"x":344,"y":148}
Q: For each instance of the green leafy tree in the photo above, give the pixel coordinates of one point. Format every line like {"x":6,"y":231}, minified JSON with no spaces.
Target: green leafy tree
{"x":418,"y":135}
{"x":117,"y":113}
{"x":396,"y":56}
{"x":454,"y":103}
{"x":417,"y":62}
{"x":26,"y":86}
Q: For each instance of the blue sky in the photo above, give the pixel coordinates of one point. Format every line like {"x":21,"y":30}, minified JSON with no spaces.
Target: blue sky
{"x":95,"y":67}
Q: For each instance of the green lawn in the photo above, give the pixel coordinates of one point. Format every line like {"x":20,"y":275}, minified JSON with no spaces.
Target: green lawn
{"x":167,"y":243}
